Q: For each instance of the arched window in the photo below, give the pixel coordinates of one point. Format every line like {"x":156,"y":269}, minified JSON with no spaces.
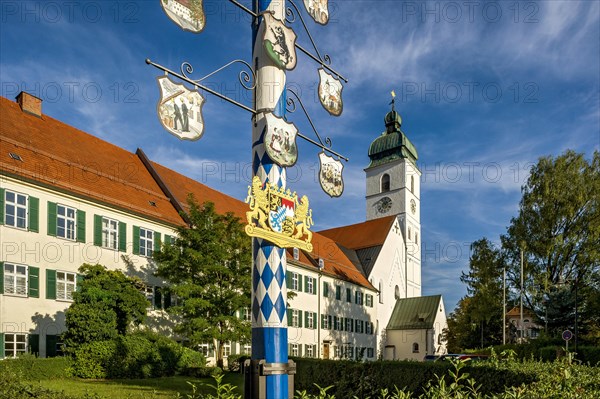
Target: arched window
{"x":412,"y":184}
{"x":417,"y":238}
{"x":381,"y":292}
{"x":397,"y":292}
{"x":409,"y":233}
{"x":385,"y":183}
{"x":415,"y":347}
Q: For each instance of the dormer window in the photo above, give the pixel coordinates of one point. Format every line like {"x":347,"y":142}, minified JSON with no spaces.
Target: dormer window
{"x":385,"y":183}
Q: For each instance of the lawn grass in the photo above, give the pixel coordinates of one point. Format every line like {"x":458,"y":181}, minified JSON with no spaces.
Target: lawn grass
{"x":151,"y":388}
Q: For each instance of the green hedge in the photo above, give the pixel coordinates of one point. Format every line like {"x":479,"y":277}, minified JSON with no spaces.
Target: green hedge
{"x":546,"y":350}
{"x":367,"y":379}
{"x":36,"y":369}
{"x":139,"y":355}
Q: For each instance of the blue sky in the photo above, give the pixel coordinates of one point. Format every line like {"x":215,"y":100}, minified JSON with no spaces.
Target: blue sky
{"x":484,"y":90}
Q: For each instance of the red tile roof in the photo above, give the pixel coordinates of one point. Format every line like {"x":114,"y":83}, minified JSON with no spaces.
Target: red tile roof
{"x":61,"y":156}
{"x":361,"y":235}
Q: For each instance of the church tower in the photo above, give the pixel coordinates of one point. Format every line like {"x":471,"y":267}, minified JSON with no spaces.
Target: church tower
{"x":393,"y":188}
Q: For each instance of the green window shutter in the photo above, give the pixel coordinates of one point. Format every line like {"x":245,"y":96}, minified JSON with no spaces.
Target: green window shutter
{"x":338,"y":292}
{"x":315,"y":321}
{"x":2,"y":222}
{"x":306,"y":318}
{"x":157,"y":297}
{"x":51,"y":341}
{"x":123,"y":237}
{"x":2,"y":279}
{"x":325,"y":289}
{"x":233,"y":348}
{"x":98,"y":230}
{"x":329,"y":321}
{"x":288,"y":279}
{"x":299,"y":282}
{"x":34,"y":344}
{"x":136,"y":240}
{"x":289,"y":316}
{"x":323,"y":318}
{"x":1,"y":345}
{"x":299,"y":318}
{"x":34,"y":214}
{"x":348,"y":295}
{"x":52,"y":218}
{"x":34,"y":282}
{"x":299,"y":349}
{"x":305,"y":283}
{"x":50,"y":284}
{"x":157,"y":241}
{"x":167,"y":239}
{"x":80,"y":226}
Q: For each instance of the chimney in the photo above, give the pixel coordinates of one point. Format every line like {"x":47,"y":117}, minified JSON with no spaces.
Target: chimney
{"x":30,"y":104}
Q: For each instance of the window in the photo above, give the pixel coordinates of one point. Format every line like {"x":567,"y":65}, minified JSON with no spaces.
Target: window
{"x":385,"y":183}
{"x":415,"y":347}
{"x":310,"y":351}
{"x":247,"y":314}
{"x":369,"y":300}
{"x":294,"y":350}
{"x":325,"y":322}
{"x":294,"y":318}
{"x":368,"y":327}
{"x":246,"y":349}
{"x":65,"y":285}
{"x":15,"y":344}
{"x":370,"y":352}
{"x":295,"y":283}
{"x":349,"y":325}
{"x":348,"y":295}
{"x":15,"y":279}
{"x":358,"y":297}
{"x":409,"y":233}
{"x":310,"y":285}
{"x":146,"y":242}
{"x":336,"y":323}
{"x":381,"y":292}
{"x":110,"y":233}
{"x":148,"y":291}
{"x":203,"y":349}
{"x":338,"y":292}
{"x":397,"y":292}
{"x":337,"y":351}
{"x":310,"y":320}
{"x":325,"y":289}
{"x":350,"y":352}
{"x":66,"y":222}
{"x":226,"y":349}
{"x":15,"y":210}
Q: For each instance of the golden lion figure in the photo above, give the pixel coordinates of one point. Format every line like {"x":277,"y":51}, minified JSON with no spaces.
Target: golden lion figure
{"x":259,"y":204}
{"x":303,"y":219}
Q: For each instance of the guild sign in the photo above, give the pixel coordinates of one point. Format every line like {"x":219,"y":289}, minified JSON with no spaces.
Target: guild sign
{"x":188,"y":14}
{"x":330,"y":175}
{"x":279,"y":42}
{"x":318,"y":10}
{"x":330,"y":93}
{"x":280,"y":141}
{"x":180,"y":110}
{"x":277,"y":215}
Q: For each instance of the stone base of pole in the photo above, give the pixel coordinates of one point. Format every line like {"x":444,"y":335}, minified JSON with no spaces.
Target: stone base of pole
{"x":255,"y":377}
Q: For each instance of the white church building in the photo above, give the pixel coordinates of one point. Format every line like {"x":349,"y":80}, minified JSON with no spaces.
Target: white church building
{"x":68,"y":198}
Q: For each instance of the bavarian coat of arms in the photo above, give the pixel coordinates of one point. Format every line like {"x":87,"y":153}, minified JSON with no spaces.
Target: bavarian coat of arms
{"x":279,"y":42}
{"x":279,"y":216}
{"x":180,"y":110}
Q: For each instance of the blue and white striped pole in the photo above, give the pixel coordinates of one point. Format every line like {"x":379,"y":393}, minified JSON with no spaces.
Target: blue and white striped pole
{"x":269,"y":320}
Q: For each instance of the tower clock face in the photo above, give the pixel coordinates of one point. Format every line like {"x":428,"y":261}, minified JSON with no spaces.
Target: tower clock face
{"x":384,"y":204}
{"x":413,"y":206}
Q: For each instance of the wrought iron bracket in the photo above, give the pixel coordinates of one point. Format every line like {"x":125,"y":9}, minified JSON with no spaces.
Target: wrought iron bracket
{"x":325,"y":146}
{"x":325,"y":60}
{"x":187,"y":68}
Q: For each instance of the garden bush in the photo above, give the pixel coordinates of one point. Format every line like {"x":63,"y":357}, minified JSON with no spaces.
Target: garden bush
{"x":235,"y":363}
{"x":367,"y":379}
{"x":139,"y":355}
